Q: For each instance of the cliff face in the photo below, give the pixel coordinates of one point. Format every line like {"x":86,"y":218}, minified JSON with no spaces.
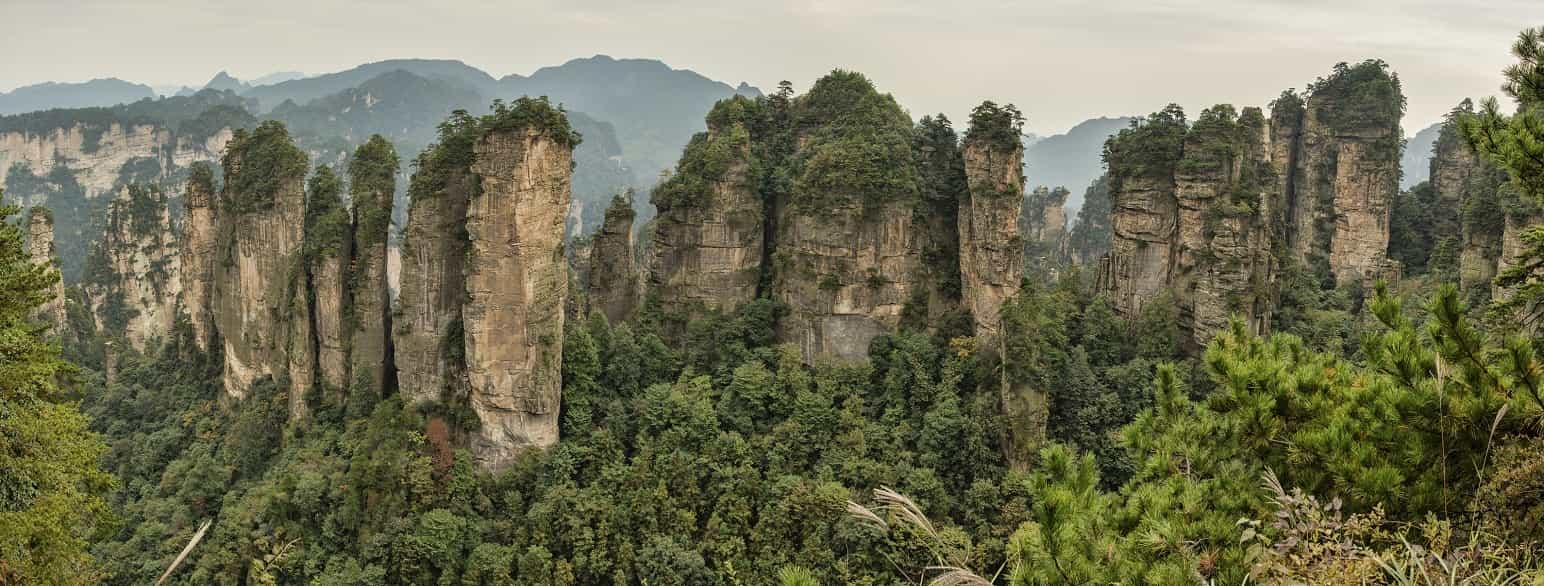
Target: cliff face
{"x":613,"y":283}
{"x":708,"y":237}
{"x":1043,"y":225}
{"x":200,"y":239}
{"x":133,"y":276}
{"x":96,"y":157}
{"x":991,"y":251}
{"x":329,"y":240}
{"x":1348,"y":172}
{"x":427,"y":329}
{"x":516,"y":286}
{"x":372,"y":185}
{"x":263,"y":219}
{"x":40,"y":248}
{"x":1193,"y":215}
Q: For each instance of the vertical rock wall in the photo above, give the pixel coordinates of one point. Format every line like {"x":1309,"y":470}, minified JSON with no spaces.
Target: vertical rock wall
{"x":427,"y":330}
{"x":516,"y":285}
{"x":613,"y":285}
{"x":991,"y":250}
{"x":133,"y":276}
{"x":40,"y":248}
{"x":200,"y":240}
{"x":372,"y":185}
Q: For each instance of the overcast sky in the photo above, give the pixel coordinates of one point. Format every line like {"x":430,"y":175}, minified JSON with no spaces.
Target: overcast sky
{"x":1061,"y":61}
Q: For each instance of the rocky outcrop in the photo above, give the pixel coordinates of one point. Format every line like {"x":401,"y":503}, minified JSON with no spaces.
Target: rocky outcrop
{"x":40,"y":248}
{"x":329,"y":240}
{"x":613,"y":285}
{"x":516,"y":285}
{"x":263,"y":219}
{"x":708,"y":240}
{"x":427,"y":328}
{"x":95,"y":157}
{"x":991,"y":250}
{"x":1194,"y":211}
{"x":1347,"y":171}
{"x":1043,"y":225}
{"x":200,"y":240}
{"x":372,"y":185}
{"x":1144,"y":211}
{"x":133,"y":276}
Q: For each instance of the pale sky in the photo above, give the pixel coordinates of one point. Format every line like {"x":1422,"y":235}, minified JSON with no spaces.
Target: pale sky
{"x":1061,"y":61}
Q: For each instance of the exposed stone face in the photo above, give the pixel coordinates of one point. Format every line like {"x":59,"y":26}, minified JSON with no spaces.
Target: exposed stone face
{"x":329,"y":274}
{"x":40,"y":248}
{"x":707,"y":255}
{"x":1346,"y":178}
{"x":991,"y":250}
{"x":200,"y":240}
{"x":845,"y":274}
{"x":427,"y":329}
{"x":1043,"y":224}
{"x":133,"y":278}
{"x":372,"y":186}
{"x":613,"y":276}
{"x":258,"y":265}
{"x":1144,"y":220}
{"x":516,"y":285}
{"x":97,"y":171}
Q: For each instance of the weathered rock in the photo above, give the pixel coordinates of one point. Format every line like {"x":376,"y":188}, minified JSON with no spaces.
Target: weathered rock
{"x":517,"y":284}
{"x":427,"y":330}
{"x":329,"y":240}
{"x":262,"y":222}
{"x":1144,"y":211}
{"x":133,"y":276}
{"x":1348,"y":171}
{"x":372,"y":185}
{"x":991,"y":250}
{"x":40,"y":248}
{"x":708,"y":241}
{"x":200,"y":240}
{"x":96,"y":158}
{"x":1043,"y":224}
{"x":613,"y":276}
{"x":942,"y":170}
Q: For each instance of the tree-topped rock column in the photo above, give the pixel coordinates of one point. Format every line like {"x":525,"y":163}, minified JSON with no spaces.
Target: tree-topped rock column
{"x":200,"y":240}
{"x":991,"y":250}
{"x":133,"y":274}
{"x":1144,"y":209}
{"x":517,"y":279}
{"x":329,"y":237}
{"x":709,"y":236}
{"x":427,"y":330}
{"x":372,"y":186}
{"x":263,"y":221}
{"x":40,"y":248}
{"x":613,"y":287}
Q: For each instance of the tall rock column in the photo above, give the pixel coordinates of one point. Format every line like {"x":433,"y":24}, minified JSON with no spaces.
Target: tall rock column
{"x":263,"y":220}
{"x":427,"y":330}
{"x":614,"y":286}
{"x":709,"y":236}
{"x":372,"y":186}
{"x":1348,"y":171}
{"x":991,"y":250}
{"x":200,"y":240}
{"x":133,"y":275}
{"x":1144,"y":210}
{"x":40,"y":248}
{"x":329,"y":238}
{"x":517,"y":280}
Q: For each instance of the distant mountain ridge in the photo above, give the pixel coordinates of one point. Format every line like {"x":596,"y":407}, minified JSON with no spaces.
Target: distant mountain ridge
{"x":50,"y":95}
{"x":1071,"y":159}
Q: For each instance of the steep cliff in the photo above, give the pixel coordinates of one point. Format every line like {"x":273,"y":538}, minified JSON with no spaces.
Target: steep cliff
{"x":1347,"y":171}
{"x":846,"y":253}
{"x":709,"y":235}
{"x":991,"y":250}
{"x":262,"y":225}
{"x":40,"y":248}
{"x":427,"y":329}
{"x":1195,"y":215}
{"x":517,"y":279}
{"x":1043,"y":225}
{"x":200,"y":244}
{"x":133,"y":277}
{"x":372,"y":185}
{"x":941,"y":169}
{"x":613,"y":284}
{"x":1144,"y":210}
{"x":329,"y":239}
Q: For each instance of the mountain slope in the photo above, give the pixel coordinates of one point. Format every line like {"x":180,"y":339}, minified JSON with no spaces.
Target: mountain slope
{"x":302,"y":91}
{"x":97,"y":92}
{"x":1416,"y":161}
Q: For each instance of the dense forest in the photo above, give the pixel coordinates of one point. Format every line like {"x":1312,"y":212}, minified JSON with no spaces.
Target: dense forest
{"x":1377,"y":432}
